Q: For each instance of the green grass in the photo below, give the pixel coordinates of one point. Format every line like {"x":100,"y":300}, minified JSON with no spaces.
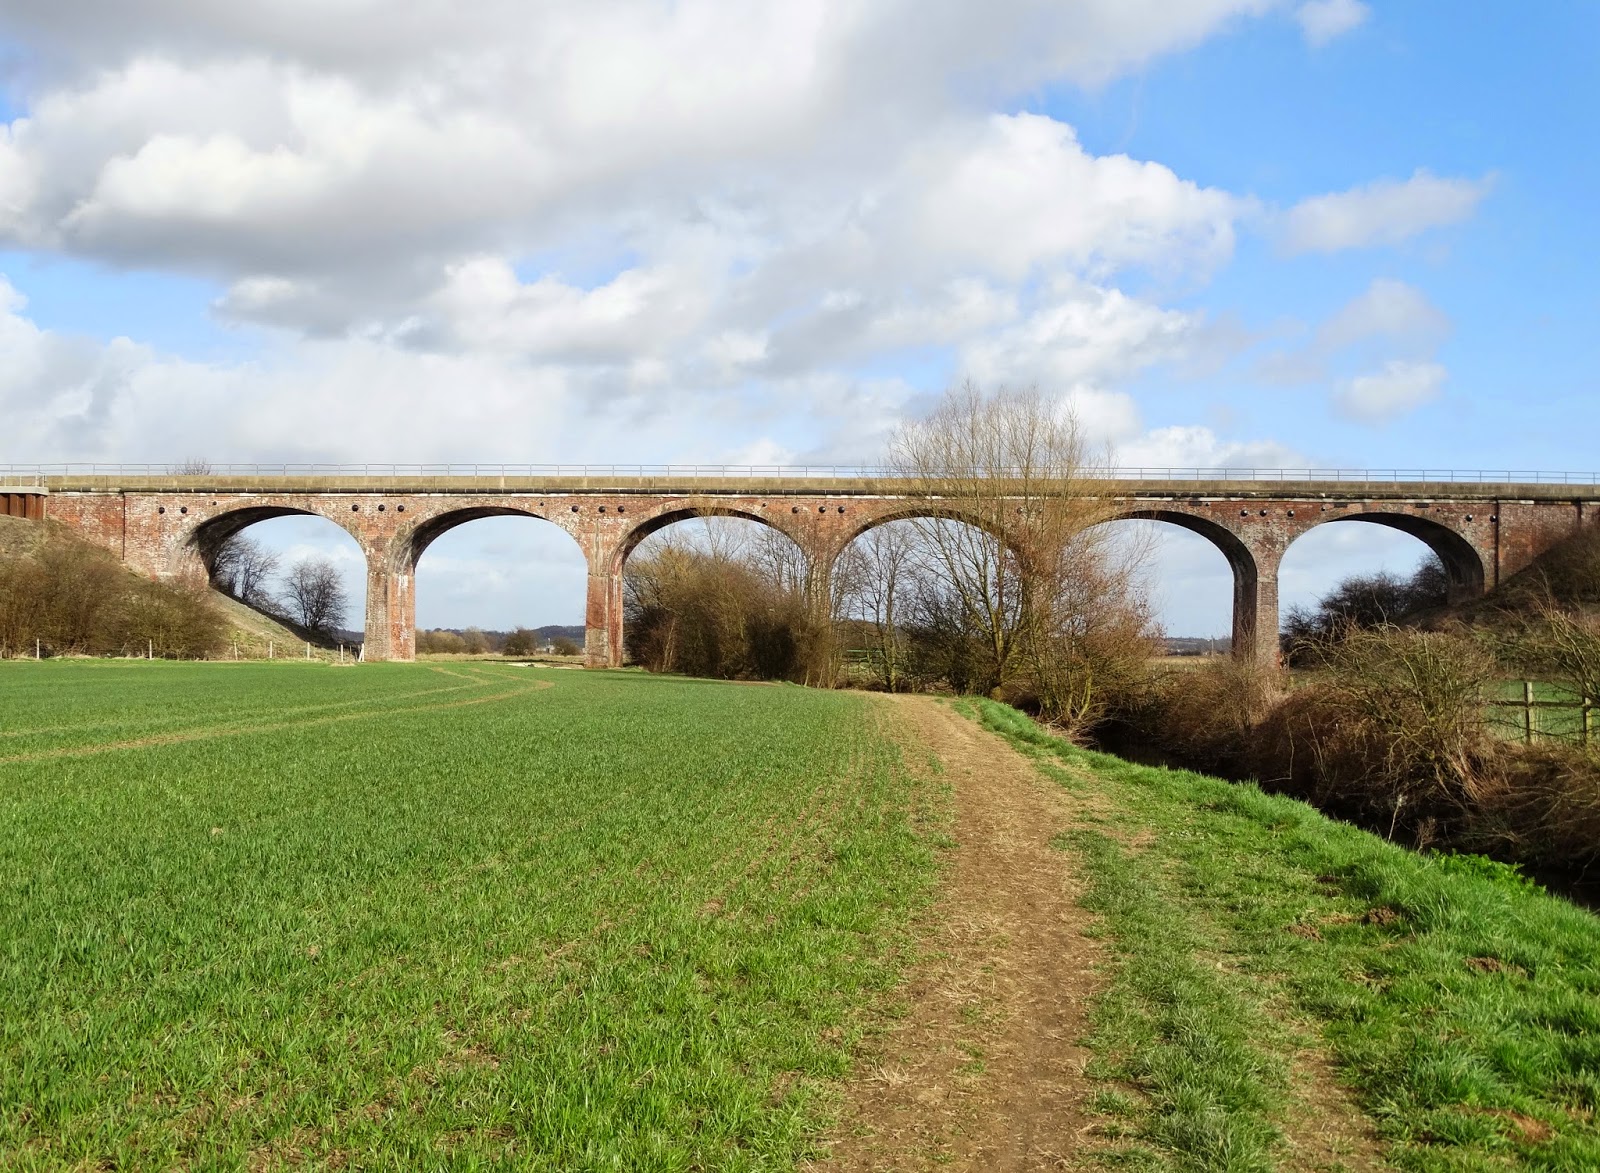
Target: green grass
{"x":1460,"y":1003}
{"x":1557,"y":712}
{"x":416,"y":916}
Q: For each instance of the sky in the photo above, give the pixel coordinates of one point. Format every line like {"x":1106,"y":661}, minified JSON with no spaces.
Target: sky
{"x":1226,"y":233}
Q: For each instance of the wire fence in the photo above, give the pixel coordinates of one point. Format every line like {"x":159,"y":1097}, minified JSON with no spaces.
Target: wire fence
{"x":26,"y":474}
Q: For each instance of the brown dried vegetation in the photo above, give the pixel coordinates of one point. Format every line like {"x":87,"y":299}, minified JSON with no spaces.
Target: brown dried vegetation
{"x":61,"y":596}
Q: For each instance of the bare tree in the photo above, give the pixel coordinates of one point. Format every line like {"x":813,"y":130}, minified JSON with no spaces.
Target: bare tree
{"x":315,"y":596}
{"x":242,"y":568}
{"x":1018,"y":572}
{"x":1561,"y":644}
{"x":875,"y":581}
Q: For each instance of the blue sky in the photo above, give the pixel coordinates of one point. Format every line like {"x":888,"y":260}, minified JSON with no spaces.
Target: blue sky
{"x":1228,"y":232}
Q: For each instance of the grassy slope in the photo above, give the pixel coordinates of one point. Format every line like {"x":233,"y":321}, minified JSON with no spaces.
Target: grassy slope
{"x":254,"y":634}
{"x":18,"y":537}
{"x":407,"y":916}
{"x":249,"y":630}
{"x":1460,"y":1003}
{"x":1568,"y":573}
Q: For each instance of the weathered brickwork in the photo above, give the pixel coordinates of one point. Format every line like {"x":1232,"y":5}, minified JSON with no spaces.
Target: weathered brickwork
{"x":171,"y":528}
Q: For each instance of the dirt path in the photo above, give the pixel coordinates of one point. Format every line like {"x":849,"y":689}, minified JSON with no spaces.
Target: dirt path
{"x":985,"y":1071}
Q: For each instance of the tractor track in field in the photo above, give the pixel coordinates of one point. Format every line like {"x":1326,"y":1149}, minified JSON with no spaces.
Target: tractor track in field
{"x":985,"y":1069}
{"x":188,"y":735}
{"x":48,"y":730}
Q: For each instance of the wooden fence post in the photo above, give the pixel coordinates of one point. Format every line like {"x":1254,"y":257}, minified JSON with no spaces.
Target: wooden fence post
{"x":1527,"y":712}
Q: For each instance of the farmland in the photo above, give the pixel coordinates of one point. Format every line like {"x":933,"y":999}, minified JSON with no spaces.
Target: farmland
{"x":465,"y":914}
{"x":472,"y":914}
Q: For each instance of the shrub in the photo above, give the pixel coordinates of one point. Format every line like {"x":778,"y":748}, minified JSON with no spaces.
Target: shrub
{"x":1396,"y":726}
{"x":715,"y":613}
{"x":1548,"y":812}
{"x":1206,"y":716}
{"x":520,"y":642}
{"x":75,"y":599}
{"x":1392,"y":734}
{"x":440,"y":642}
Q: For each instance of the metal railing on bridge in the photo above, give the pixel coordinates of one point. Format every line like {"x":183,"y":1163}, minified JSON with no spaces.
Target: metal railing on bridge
{"x":27,"y":474}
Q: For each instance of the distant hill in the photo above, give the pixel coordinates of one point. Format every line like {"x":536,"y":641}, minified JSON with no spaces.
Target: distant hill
{"x":556,"y":631}
{"x":548,"y":632}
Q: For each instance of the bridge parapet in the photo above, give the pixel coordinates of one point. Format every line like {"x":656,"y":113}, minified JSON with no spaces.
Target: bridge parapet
{"x":748,"y":473}
{"x":855,"y":486}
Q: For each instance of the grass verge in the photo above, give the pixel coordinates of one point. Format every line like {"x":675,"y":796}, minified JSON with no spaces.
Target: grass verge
{"x":1460,"y":1003}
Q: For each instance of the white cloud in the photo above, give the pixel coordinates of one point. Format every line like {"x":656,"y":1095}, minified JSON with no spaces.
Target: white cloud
{"x":1079,"y":335}
{"x":1105,"y":417}
{"x":1388,"y":309}
{"x":1322,"y":21}
{"x":1385,"y":212}
{"x":785,"y":197}
{"x":1192,"y":446}
{"x":16,"y":184}
{"x":1021,"y":192}
{"x":268,"y":143}
{"x":485,"y":308}
{"x":1399,"y":387}
{"x":645,"y":52}
{"x":1389,"y":319}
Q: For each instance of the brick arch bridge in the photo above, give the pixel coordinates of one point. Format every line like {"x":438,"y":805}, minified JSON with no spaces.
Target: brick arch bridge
{"x":171,"y":526}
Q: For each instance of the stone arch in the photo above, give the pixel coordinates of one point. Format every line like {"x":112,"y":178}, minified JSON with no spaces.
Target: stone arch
{"x":914,"y":511}
{"x":1464,"y":564}
{"x":392,"y":567}
{"x":1255,"y":594}
{"x":412,"y":542}
{"x":206,"y":538}
{"x":681,"y":511}
{"x":1239,"y":556}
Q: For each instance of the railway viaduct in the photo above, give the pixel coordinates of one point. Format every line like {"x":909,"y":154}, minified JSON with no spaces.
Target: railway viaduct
{"x":171,"y":526}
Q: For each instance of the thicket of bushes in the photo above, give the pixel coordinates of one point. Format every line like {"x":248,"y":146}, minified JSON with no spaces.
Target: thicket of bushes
{"x":723,"y":610}
{"x":1387,"y":723}
{"x":1392,"y":732}
{"x":65,"y":597}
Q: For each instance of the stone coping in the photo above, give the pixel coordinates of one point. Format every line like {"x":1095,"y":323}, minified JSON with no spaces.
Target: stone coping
{"x":792,"y":487}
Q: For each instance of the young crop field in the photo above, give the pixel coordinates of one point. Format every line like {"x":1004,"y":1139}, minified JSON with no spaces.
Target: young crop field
{"x":478,"y":915}
{"x":411,"y":916}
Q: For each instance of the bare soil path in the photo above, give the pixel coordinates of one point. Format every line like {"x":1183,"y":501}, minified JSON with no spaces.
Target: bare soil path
{"x":985,"y":1070}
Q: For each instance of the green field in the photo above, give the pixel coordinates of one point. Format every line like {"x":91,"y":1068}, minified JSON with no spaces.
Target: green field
{"x":411,"y":916}
{"x":1554,"y":712}
{"x":477,"y":915}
